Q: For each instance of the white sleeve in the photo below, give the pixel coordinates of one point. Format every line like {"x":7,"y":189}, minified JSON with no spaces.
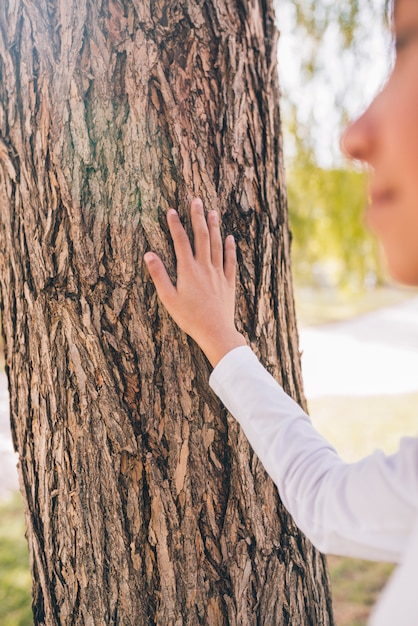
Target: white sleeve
{"x":365,"y":509}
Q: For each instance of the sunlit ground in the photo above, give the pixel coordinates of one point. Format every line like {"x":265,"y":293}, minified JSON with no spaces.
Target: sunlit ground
{"x":316,"y":307}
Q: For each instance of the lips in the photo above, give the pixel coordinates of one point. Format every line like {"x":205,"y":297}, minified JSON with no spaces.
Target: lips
{"x":380,"y":201}
{"x":381,"y":197}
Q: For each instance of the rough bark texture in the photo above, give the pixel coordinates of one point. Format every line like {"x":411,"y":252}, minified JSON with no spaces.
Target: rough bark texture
{"x":144,"y":502}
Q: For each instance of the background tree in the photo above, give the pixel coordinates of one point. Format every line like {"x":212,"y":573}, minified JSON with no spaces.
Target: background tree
{"x":330,"y":80}
{"x":331,"y":246}
{"x":144,"y":503}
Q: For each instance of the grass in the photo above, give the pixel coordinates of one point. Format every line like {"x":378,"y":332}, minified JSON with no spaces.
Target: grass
{"x":15,"y":580}
{"x":356,"y":585}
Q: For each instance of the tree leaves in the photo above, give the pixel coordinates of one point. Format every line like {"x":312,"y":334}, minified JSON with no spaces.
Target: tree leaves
{"x":326,"y":199}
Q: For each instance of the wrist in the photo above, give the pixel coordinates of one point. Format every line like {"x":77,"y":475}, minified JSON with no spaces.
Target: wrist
{"x":223,"y":344}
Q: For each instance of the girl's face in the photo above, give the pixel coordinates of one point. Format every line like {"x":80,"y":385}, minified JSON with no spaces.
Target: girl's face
{"x":386,"y":138}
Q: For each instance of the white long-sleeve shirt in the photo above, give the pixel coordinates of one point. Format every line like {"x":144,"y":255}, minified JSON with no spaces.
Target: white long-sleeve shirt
{"x":367,"y":509}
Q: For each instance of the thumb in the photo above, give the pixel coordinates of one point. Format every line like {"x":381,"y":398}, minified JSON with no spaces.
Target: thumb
{"x":160,"y":278}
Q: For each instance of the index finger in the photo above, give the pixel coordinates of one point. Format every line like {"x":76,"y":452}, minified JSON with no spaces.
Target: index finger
{"x":182,"y":247}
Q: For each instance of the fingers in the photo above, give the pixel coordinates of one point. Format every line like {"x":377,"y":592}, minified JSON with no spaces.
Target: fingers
{"x":207,"y":242}
{"x":165,"y":288}
{"x":230,"y":265}
{"x":182,"y":247}
{"x":216,"y":248}
{"x":200,"y":231}
{"x":207,"y":235}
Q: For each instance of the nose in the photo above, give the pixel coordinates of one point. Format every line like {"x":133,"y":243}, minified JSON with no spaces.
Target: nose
{"x":357,"y":141}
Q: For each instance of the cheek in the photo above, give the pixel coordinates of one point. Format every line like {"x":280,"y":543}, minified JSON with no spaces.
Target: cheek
{"x":398,"y":119}
{"x":407,"y":155}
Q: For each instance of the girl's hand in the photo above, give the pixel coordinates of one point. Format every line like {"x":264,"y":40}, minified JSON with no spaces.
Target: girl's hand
{"x":202,"y":302}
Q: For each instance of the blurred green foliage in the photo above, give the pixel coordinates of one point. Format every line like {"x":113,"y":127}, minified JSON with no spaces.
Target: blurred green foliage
{"x":316,"y":16}
{"x":330,"y":245}
{"x":15,"y":579}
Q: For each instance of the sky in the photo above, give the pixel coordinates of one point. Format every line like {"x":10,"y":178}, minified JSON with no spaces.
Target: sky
{"x":349,"y":79}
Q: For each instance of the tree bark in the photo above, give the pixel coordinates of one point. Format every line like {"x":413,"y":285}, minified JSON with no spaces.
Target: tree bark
{"x":144,"y":502}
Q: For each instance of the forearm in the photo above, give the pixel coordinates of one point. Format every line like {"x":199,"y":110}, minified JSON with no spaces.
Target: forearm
{"x":357,"y":510}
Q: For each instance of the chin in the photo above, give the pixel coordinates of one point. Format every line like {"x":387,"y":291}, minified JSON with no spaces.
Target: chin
{"x":404,"y":275}
{"x":401,"y":262}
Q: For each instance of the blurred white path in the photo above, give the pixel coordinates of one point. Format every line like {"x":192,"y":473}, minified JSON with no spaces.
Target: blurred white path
{"x":373,"y":354}
{"x":8,"y":458}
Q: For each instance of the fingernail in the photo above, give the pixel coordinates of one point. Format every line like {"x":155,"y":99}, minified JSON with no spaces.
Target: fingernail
{"x":171,"y":212}
{"x":148,"y":257}
{"x":198,"y":201}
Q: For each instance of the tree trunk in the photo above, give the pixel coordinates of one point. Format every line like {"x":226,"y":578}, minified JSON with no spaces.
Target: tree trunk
{"x":144,"y":502}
